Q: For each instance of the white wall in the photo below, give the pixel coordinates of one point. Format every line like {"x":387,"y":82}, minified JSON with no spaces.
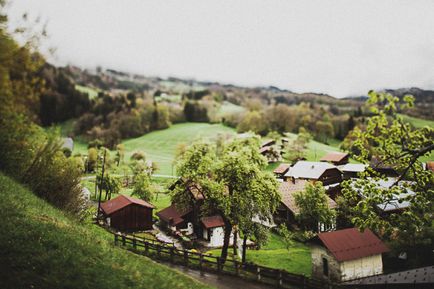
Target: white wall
{"x":363,"y":267}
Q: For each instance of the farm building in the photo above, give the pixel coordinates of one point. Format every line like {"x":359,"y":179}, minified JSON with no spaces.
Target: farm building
{"x":271,"y":153}
{"x":213,"y":230}
{"x":383,"y":168}
{"x":125,"y":213}
{"x":175,"y":218}
{"x":315,"y":171}
{"x":352,"y":170}
{"x":288,"y":209}
{"x":281,"y":170}
{"x":346,"y":255}
{"x":336,"y":158}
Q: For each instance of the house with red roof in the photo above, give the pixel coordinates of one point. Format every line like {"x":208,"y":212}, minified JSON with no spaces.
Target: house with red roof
{"x":125,"y":213}
{"x":347,"y":255}
{"x":336,"y":158}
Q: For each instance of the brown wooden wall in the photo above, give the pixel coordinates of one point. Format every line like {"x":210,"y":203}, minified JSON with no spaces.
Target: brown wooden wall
{"x":132,"y":218}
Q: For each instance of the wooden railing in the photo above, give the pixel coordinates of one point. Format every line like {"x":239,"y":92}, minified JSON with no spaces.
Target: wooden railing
{"x":205,"y":262}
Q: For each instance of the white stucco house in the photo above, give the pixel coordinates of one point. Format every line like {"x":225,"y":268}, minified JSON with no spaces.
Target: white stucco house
{"x":347,"y":255}
{"x":213,"y":230}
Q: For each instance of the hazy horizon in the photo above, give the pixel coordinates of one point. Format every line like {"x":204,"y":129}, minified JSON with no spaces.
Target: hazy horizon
{"x":340,"y":48}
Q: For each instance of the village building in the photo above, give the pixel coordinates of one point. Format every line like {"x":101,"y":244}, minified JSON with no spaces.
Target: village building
{"x":288,"y":209}
{"x":190,"y":221}
{"x":176,"y":219}
{"x":314,"y":171}
{"x":385,"y":169}
{"x":125,"y":213}
{"x":347,"y":255}
{"x":336,"y":158}
{"x":281,"y":170}
{"x":351,"y":171}
{"x":271,"y":153}
{"x":213,"y":230}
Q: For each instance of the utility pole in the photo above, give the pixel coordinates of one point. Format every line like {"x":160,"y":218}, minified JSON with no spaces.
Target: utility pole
{"x":100,"y":187}
{"x":96,"y":172}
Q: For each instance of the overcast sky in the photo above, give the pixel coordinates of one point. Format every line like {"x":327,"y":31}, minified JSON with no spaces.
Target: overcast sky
{"x":337,"y":47}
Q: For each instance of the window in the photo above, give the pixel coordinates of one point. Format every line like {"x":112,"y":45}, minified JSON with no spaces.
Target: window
{"x":325,"y":266}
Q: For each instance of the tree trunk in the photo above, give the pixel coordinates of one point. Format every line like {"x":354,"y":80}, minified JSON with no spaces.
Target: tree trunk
{"x":235,"y":242}
{"x":243,"y":257}
{"x":226,"y":240}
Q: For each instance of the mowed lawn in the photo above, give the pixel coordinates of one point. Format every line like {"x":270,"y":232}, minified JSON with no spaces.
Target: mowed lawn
{"x":275,"y":255}
{"x":160,"y":146}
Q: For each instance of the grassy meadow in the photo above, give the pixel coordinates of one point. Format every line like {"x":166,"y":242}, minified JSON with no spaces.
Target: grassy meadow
{"x":45,"y":248}
{"x":275,"y":255}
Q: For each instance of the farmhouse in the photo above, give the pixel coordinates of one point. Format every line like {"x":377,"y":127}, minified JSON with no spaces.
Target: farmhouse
{"x":336,"y":158}
{"x":213,"y":230}
{"x":191,"y":221}
{"x":315,"y":171}
{"x":281,"y":170}
{"x":352,"y":170}
{"x":176,"y":218}
{"x":125,"y":213}
{"x":346,"y":255}
{"x":288,"y":210}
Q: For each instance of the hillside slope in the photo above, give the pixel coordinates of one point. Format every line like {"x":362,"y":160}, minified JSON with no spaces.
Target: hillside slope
{"x":41,"y":247}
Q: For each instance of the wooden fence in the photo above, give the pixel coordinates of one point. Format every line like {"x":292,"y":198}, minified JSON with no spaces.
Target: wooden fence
{"x":204,"y":262}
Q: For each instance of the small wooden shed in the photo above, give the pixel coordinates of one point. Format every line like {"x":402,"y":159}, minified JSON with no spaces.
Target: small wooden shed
{"x":125,"y":213}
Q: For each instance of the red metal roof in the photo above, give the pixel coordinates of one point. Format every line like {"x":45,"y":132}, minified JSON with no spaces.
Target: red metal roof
{"x":213,"y":221}
{"x":334,"y":157}
{"x":173,"y":215}
{"x":350,"y":244}
{"x":122,"y":201}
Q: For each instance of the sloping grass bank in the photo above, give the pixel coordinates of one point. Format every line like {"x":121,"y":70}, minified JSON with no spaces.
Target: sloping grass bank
{"x":41,"y":247}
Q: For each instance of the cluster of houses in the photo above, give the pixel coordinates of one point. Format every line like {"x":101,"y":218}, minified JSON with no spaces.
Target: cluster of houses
{"x":338,"y":255}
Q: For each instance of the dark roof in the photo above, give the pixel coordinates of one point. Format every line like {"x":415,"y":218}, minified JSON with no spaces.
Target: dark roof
{"x":287,"y":191}
{"x":334,"y":157}
{"x":122,"y":201}
{"x":268,"y":142}
{"x":194,"y":188}
{"x":350,"y":244}
{"x":173,"y":215}
{"x":309,"y":170}
{"x":281,"y":169}
{"x":213,"y":221}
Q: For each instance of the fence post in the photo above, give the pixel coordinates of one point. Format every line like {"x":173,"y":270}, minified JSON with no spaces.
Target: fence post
{"x":218,"y":265}
{"x":258,"y":273}
{"x":200,"y":262}
{"x":146,"y":247}
{"x":134,"y":243}
{"x":116,"y":239}
{"x":158,"y":251}
{"x":237,"y":272}
{"x":123,"y":240}
{"x":186,"y":258}
{"x":171,"y":254}
{"x":279,"y":278}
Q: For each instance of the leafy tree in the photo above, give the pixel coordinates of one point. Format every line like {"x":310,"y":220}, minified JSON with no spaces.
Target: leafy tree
{"x":92,"y":159}
{"x":394,"y":143}
{"x":110,"y":184}
{"x":297,"y":149}
{"x":314,"y":207}
{"x":287,"y":236}
{"x":238,"y":187}
{"x":142,"y":187}
{"x":253,"y":121}
{"x":120,"y":154}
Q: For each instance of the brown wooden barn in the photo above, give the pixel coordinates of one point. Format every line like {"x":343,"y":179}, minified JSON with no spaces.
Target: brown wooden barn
{"x":125,"y":213}
{"x":336,"y":158}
